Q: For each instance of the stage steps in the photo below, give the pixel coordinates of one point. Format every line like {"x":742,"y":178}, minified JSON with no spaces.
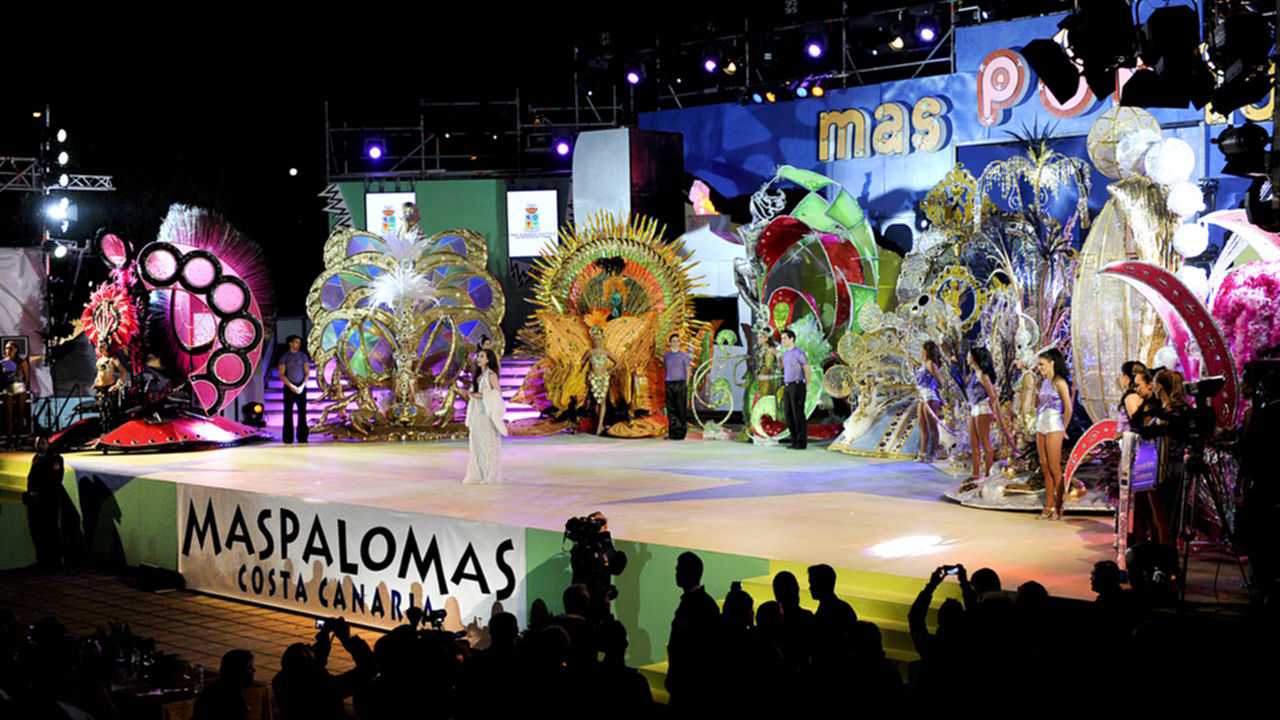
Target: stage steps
{"x":879,"y":598}
{"x":510,"y":378}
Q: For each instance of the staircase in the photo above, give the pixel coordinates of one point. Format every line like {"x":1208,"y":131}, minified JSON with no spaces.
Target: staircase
{"x":510,"y":377}
{"x":876,"y":597}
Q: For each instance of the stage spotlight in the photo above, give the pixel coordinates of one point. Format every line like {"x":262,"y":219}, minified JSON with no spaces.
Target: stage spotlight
{"x":1245,"y":149}
{"x":897,"y":42}
{"x":37,"y":114}
{"x":562,"y":147}
{"x":1102,"y":38}
{"x":375,"y":149}
{"x":253,"y":414}
{"x":62,"y":136}
{"x":63,"y":158}
{"x":818,"y":91}
{"x":802,"y":91}
{"x":927,"y":28}
{"x":1176,"y":73}
{"x":1239,"y":49}
{"x":771,"y":96}
{"x":57,"y":211}
{"x":293,"y":172}
{"x":64,"y":180}
{"x":634,"y":73}
{"x":815,"y":46}
{"x":757,"y":98}
{"x":710,"y":63}
{"x":730,"y":68}
{"x":1050,"y":63}
{"x":60,"y":251}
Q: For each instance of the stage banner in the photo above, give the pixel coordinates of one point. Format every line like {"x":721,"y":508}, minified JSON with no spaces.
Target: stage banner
{"x":366,"y":564}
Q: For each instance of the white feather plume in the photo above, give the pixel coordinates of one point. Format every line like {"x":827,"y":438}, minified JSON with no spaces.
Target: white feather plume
{"x":400,"y":284}
{"x":406,"y":247}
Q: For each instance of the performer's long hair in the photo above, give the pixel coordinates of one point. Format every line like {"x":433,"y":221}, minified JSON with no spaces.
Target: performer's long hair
{"x":1054,"y":355}
{"x":475,"y":373}
{"x":934,"y":353}
{"x":982,"y":357}
{"x":1130,"y":370}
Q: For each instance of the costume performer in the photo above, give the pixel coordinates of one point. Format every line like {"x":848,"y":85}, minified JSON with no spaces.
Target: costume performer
{"x":108,"y":384}
{"x":295,"y":367}
{"x":928,"y":380}
{"x":600,"y":364}
{"x":15,"y":377}
{"x":981,"y":394}
{"x":796,"y":375}
{"x":677,"y":388}
{"x":484,"y":420}
{"x":766,"y":363}
{"x":1053,"y":414}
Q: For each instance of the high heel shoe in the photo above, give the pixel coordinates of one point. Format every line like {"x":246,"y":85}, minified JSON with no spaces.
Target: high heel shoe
{"x":1045,"y":514}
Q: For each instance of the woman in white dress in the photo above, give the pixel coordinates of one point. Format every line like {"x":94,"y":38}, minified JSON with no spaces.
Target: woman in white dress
{"x":484,"y":419}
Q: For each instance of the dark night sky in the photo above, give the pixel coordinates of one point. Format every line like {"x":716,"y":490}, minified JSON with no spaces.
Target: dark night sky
{"x":214,"y":110}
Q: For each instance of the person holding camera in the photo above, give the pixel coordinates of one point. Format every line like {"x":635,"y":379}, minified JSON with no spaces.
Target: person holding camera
{"x":1170,"y":424}
{"x":304,"y":687}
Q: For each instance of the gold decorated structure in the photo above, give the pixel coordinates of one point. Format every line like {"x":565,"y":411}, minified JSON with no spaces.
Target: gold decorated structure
{"x":623,"y":278}
{"x":394,"y":319}
{"x":1110,"y":322}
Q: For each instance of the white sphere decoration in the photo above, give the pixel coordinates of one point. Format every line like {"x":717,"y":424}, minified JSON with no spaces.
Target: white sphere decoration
{"x":1170,"y":161}
{"x":1132,"y":148}
{"x":1166,"y":357}
{"x":1190,"y":240}
{"x":1185,"y":200}
{"x":1196,"y":280}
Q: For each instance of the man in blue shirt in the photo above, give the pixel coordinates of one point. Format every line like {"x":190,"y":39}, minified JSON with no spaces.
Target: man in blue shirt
{"x":677,"y":387}
{"x":295,"y":367}
{"x":796,"y":375}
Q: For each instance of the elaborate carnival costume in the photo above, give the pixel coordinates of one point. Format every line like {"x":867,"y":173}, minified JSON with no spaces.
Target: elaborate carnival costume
{"x":486,"y":429}
{"x":619,"y":282}
{"x":196,"y":300}
{"x":394,"y":317}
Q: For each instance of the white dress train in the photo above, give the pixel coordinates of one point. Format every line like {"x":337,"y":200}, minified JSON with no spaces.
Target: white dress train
{"x":484,"y":420}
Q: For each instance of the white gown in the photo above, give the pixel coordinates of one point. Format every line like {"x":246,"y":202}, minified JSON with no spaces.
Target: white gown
{"x":484,"y":419}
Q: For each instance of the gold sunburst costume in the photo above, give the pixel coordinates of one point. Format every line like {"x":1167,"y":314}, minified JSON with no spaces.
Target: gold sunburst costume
{"x":620,"y":280}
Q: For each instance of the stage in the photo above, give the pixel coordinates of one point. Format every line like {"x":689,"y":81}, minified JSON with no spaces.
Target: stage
{"x":761,"y":502}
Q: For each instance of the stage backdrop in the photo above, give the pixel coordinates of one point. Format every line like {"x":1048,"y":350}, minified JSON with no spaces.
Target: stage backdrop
{"x":366,"y":564}
{"x":889,"y":143}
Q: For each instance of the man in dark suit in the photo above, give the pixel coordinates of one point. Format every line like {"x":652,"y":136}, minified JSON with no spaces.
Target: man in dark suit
{"x":43,"y":499}
{"x":835,"y":618}
{"x":690,"y":651}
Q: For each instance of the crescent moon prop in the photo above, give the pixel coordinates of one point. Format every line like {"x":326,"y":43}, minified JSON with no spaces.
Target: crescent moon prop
{"x":1098,"y":433}
{"x":1185,"y":318}
{"x":1267,"y":244}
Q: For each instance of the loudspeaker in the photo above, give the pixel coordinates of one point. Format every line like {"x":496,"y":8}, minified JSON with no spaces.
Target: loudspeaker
{"x":630,"y":171}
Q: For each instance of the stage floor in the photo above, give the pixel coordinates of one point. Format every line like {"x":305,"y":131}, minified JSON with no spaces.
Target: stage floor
{"x":766,"y":502}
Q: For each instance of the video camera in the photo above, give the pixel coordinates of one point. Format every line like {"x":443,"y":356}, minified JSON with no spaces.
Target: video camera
{"x":1203,"y":420}
{"x":593,"y":559}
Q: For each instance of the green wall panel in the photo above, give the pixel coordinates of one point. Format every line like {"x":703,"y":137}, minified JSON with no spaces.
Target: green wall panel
{"x":647,"y":592}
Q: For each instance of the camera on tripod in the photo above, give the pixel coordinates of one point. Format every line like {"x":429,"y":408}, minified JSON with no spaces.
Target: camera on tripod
{"x":593,"y":559}
{"x":1203,"y":420}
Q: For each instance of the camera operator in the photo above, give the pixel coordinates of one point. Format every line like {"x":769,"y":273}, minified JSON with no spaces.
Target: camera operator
{"x":305,"y":688}
{"x":1171,"y":424}
{"x":594,"y":561}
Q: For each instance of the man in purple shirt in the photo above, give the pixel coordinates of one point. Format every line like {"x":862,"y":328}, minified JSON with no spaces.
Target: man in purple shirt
{"x":295,"y":367}
{"x":677,"y":387}
{"x":796,"y":375}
